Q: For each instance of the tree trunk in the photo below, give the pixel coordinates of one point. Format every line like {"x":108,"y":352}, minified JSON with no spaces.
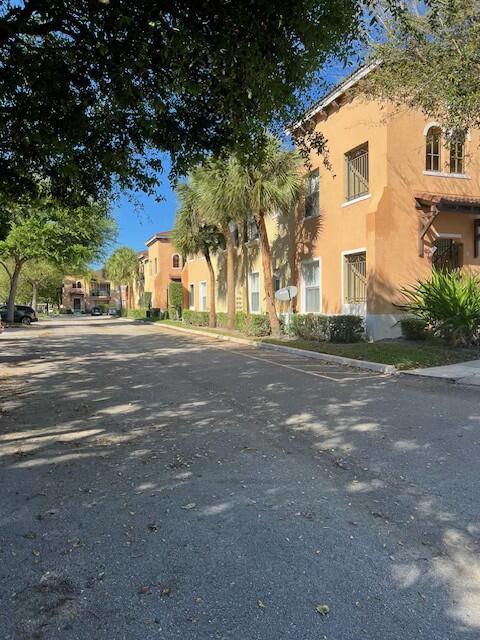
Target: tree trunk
{"x":267,"y":274}
{"x":120,"y":298}
{"x":212,"y":315}
{"x":34,"y":295}
{"x":13,"y":291}
{"x":230,"y":278}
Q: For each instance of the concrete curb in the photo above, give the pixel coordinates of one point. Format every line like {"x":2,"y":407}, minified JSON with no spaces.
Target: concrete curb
{"x":325,"y":357}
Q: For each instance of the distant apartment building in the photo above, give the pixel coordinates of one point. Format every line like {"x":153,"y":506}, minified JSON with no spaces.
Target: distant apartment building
{"x":394,"y":200}
{"x":161,"y":265}
{"x":80,"y":293}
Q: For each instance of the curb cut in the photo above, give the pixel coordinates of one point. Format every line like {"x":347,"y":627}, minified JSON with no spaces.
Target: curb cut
{"x":349,"y":362}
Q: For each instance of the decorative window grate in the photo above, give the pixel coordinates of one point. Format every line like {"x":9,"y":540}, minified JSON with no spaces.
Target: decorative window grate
{"x":356,"y":173}
{"x":355,"y":278}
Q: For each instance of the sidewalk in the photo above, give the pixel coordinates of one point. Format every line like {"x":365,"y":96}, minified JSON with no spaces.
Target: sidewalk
{"x":465,"y":373}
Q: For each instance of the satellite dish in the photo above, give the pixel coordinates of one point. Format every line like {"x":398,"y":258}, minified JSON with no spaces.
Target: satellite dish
{"x":287,"y":293}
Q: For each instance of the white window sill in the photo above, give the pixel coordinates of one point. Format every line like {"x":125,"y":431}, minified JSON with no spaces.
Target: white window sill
{"x":443,"y":174}
{"x":355,"y":200}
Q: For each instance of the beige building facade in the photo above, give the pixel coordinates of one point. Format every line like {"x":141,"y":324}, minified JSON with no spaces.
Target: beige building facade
{"x":81,"y":293}
{"x":394,"y":199}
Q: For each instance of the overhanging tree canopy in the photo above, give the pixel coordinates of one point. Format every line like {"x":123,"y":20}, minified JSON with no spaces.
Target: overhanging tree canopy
{"x":91,"y":91}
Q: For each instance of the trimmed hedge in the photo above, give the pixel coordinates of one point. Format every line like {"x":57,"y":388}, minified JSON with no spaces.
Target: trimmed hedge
{"x":251,"y":324}
{"x":195,"y":318}
{"x":414,"y":328}
{"x":342,"y":328}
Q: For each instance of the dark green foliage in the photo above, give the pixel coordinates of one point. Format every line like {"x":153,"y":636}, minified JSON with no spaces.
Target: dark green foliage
{"x":92,"y":92}
{"x":196,"y":318}
{"x":175,"y":300}
{"x":250,"y":324}
{"x":137,"y":314}
{"x":309,"y":326}
{"x":414,"y":328}
{"x":345,"y":328}
{"x":450,"y":303}
{"x":319,"y":328}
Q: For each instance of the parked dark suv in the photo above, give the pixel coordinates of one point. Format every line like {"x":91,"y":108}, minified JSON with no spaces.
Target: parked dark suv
{"x":23,"y":314}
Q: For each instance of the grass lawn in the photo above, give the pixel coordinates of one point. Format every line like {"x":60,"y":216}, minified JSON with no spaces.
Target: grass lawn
{"x":402,"y":356}
{"x":399,"y":354}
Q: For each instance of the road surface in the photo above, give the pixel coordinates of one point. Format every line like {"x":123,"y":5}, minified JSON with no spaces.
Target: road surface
{"x":159,"y":485}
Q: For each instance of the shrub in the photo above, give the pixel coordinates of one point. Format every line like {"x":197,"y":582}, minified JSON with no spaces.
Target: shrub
{"x":195,"y":318}
{"x":413,"y":328}
{"x":345,"y":328}
{"x":327,"y":328}
{"x":175,"y":300}
{"x":309,"y":327}
{"x":222,"y":319}
{"x":138,"y":314}
{"x":450,"y":303}
{"x":256,"y":325}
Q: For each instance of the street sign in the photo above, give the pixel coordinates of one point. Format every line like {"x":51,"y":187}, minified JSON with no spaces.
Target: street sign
{"x":287,"y":293}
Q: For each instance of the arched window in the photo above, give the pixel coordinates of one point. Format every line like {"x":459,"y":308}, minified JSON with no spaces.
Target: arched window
{"x":79,"y":285}
{"x":432,"y":149}
{"x":176,"y":261}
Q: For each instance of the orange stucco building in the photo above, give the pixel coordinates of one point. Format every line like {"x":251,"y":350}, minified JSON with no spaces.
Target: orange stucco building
{"x":395,"y":199}
{"x":161,"y":265}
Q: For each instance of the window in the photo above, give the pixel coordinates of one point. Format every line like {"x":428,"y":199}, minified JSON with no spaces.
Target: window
{"x":74,"y":285}
{"x":255,"y":292}
{"x":476,"y":238}
{"x":446,"y":255}
{"x":252,"y":230}
{"x":155,"y":266}
{"x":355,"y":278}
{"x":432,"y":149}
{"x":356,"y":172}
{"x":203,"y":296}
{"x":457,"y":153}
{"x":191,"y":296}
{"x":79,"y":285}
{"x":312,"y":194}
{"x":176,"y":261}
{"x":311,"y":286}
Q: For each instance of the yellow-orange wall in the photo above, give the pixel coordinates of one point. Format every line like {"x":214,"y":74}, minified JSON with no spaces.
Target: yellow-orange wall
{"x":156,"y":282}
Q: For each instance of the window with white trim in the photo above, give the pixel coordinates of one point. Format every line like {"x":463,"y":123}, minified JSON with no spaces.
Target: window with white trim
{"x":176,"y":261}
{"x":203,"y":296}
{"x":311,"y":286}
{"x":254,"y":280}
{"x":191,"y":296}
{"x":355,"y":278}
{"x":432,"y":149}
{"x":457,"y":155}
{"x":312,"y":194}
{"x":356,"y":172}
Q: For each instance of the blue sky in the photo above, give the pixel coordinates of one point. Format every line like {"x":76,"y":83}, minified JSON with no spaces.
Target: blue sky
{"x":140,"y":218}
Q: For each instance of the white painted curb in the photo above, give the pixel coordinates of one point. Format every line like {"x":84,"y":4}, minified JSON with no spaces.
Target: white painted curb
{"x":326,"y":357}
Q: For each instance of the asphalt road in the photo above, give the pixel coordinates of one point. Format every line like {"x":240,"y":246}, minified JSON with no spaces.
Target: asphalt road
{"x":157,"y":485}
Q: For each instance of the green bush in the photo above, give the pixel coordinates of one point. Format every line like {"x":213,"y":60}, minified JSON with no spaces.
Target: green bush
{"x":327,"y":328}
{"x":450,"y":303}
{"x":222,"y":320}
{"x":413,"y":328}
{"x":345,"y":328}
{"x":195,"y":318}
{"x":137,"y":314}
{"x":175,"y":300}
{"x":256,"y":325}
{"x":309,"y":327}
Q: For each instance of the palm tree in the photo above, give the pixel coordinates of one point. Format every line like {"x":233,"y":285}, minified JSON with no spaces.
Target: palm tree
{"x":193,"y":234}
{"x":268,"y":185}
{"x":122,"y":269}
{"x":217,"y":207}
